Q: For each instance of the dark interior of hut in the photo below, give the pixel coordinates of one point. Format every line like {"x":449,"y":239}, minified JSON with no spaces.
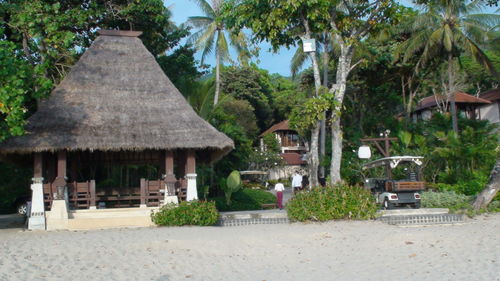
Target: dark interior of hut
{"x":118,"y":176}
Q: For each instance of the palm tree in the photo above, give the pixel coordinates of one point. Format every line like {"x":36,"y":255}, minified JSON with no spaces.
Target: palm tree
{"x":444,"y":30}
{"x":212,"y":35}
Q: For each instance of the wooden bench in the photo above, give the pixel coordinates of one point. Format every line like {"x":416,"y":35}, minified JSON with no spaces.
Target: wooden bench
{"x":268,"y":206}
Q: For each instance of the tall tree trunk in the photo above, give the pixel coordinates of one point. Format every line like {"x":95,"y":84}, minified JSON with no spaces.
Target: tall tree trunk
{"x":217,"y":77}
{"x":313,"y":160}
{"x":484,"y":198}
{"x":451,"y":94}
{"x":343,"y":69}
{"x":322,"y":139}
{"x":314,"y":150}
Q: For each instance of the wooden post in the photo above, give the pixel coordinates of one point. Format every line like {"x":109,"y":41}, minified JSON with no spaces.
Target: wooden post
{"x":37,"y":165}
{"x":143,"y":192}
{"x":92,"y":194}
{"x":169,"y":174}
{"x":191,"y":162}
{"x":60,"y":181}
{"x":169,"y":163}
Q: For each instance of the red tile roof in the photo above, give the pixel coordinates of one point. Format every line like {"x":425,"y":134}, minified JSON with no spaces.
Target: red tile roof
{"x":281,"y":126}
{"x":293,"y":158}
{"x":491,"y":95}
{"x":460,"y":98}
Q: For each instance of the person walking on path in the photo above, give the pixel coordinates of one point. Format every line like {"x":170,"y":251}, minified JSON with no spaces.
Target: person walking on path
{"x":279,"y":188}
{"x":296,"y":182}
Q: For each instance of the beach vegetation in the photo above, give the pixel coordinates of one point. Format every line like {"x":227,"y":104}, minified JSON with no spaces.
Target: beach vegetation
{"x":201,"y":213}
{"x":332,"y":203}
{"x":446,"y":199}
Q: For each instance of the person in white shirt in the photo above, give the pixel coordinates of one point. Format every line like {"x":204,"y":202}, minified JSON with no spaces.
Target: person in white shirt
{"x":279,"y":188}
{"x":296,"y":182}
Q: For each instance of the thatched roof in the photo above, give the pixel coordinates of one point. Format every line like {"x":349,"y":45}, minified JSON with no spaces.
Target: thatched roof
{"x":116,"y":97}
{"x":281,"y":126}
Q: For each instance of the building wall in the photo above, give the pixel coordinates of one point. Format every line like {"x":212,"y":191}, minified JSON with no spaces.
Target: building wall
{"x":490,"y":112}
{"x":285,"y":172}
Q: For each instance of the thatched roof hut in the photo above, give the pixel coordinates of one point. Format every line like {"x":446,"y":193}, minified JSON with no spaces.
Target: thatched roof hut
{"x":117,"y":98}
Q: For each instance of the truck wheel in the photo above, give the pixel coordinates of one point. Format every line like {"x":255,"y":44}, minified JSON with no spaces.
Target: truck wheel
{"x":417,"y":205}
{"x":388,"y":205}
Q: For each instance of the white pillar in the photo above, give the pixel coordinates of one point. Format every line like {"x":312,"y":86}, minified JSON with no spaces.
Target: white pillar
{"x":37,"y":212}
{"x":192,"y":192}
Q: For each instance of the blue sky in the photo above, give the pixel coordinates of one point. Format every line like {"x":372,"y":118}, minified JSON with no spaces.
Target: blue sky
{"x":273,"y":62}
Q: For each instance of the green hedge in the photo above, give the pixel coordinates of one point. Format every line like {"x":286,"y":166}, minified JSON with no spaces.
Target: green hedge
{"x":186,"y":213}
{"x":446,"y":199}
{"x":327,"y":203}
{"x":245,"y":199}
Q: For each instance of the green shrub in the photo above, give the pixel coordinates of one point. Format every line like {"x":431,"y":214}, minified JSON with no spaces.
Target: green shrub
{"x":473,"y":185}
{"x":245,"y":199}
{"x":446,"y":199}
{"x":186,"y":213}
{"x":327,"y":203}
{"x":494,"y":206}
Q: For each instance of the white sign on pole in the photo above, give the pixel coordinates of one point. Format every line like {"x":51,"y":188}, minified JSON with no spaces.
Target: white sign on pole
{"x":309,"y":45}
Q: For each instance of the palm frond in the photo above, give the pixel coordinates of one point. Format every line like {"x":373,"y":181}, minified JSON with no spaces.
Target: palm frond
{"x":240,"y":43}
{"x":206,"y":42}
{"x":205,"y":8}
{"x":199,"y":21}
{"x":475,"y":51}
{"x":298,"y":60}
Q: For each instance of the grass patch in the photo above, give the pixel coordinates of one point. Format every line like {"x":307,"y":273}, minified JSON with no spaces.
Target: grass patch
{"x":245,"y":199}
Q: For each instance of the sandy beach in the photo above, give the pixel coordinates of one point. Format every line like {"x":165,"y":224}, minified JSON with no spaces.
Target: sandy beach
{"x":337,"y":250}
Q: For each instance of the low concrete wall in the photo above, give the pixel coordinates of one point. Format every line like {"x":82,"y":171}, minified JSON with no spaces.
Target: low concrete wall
{"x":108,"y":218}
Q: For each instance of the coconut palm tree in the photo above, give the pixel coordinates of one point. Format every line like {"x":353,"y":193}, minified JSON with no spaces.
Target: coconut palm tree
{"x":443,"y":31}
{"x":212,"y":37}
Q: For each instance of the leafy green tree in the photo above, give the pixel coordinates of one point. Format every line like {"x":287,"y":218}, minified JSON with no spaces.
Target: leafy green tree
{"x":181,"y":68}
{"x":211,"y":37}
{"x":348,"y":22}
{"x":445,"y":29}
{"x":285,"y":96}
{"x":19,"y":85}
{"x":248,"y":83}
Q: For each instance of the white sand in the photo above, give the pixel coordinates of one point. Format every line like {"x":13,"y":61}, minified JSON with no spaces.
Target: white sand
{"x":330,"y":251}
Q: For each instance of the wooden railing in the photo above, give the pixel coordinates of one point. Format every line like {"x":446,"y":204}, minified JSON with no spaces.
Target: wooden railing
{"x":82,"y":195}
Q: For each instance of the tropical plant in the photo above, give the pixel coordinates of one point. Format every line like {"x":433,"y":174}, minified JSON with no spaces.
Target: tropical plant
{"x":212,"y":35}
{"x":444,"y":30}
{"x":231,"y":185}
